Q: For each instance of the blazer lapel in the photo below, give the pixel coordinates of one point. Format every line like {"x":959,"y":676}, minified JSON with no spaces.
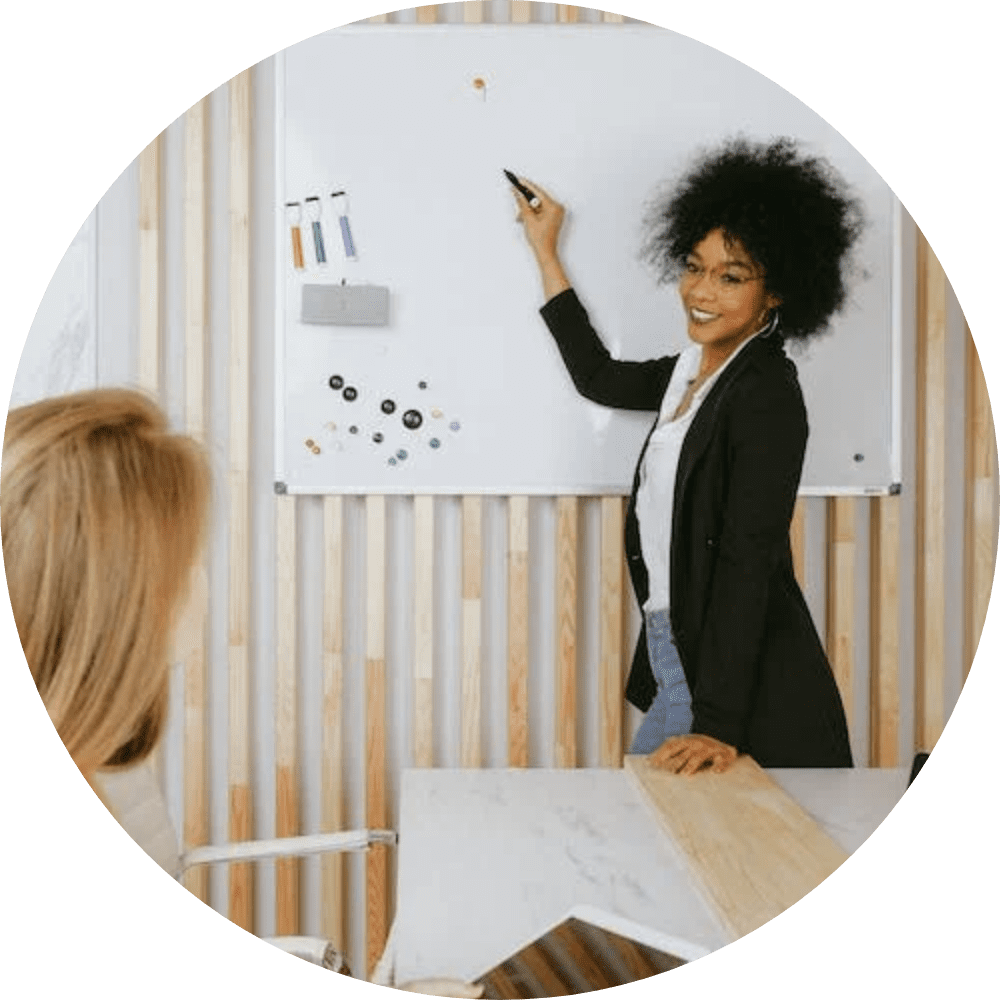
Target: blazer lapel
{"x":703,"y":425}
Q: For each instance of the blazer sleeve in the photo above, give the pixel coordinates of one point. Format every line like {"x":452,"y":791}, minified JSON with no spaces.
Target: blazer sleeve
{"x":625,"y":385}
{"x":767,"y":440}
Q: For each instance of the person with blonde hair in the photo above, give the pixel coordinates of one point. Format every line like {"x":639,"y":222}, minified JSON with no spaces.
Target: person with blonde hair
{"x":102,"y":511}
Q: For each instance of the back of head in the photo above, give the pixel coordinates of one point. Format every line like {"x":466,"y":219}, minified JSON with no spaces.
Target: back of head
{"x":102,"y":511}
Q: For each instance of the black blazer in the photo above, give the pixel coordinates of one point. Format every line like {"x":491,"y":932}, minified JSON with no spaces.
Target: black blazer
{"x":758,"y":674}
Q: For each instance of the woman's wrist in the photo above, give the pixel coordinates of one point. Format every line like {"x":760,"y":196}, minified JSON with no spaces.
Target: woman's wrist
{"x":554,"y":278}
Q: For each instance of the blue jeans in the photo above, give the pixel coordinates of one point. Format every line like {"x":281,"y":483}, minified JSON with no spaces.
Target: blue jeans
{"x":670,"y":713}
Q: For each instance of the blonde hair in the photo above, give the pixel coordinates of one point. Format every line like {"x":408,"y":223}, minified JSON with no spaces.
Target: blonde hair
{"x":102,"y":512}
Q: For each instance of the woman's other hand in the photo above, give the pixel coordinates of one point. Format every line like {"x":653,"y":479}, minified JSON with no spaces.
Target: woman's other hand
{"x":689,"y":754}
{"x":542,"y":226}
{"x":444,"y":988}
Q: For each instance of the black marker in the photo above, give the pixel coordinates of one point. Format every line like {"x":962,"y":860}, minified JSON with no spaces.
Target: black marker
{"x":534,"y":202}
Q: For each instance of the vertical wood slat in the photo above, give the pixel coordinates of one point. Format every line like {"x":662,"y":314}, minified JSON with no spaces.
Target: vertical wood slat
{"x":567,"y":510}
{"x":149,"y":267}
{"x":981,"y":501}
{"x":472,"y":11}
{"x":377,"y":886}
{"x":797,"y":537}
{"x":840,"y":597}
{"x":286,"y":784}
{"x":378,"y":19}
{"x":520,"y":11}
{"x":517,"y":631}
{"x":472,"y":584}
{"x":427,"y":13}
{"x":332,"y":764}
{"x":609,"y":685}
{"x":609,"y":18}
{"x":884,"y":632}
{"x":423,"y":631}
{"x":931,"y":472}
{"x":196,"y":614}
{"x":567,"y":13}
{"x":240,"y":797}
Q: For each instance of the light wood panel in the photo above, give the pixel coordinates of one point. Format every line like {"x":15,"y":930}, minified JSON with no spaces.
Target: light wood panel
{"x":517,"y":631}
{"x":240,"y":796}
{"x":610,"y":18}
{"x":520,"y":11}
{"x":285,"y":715}
{"x":981,"y":501}
{"x":376,"y":811}
{"x":797,"y":536}
{"x":750,"y":847}
{"x":196,"y":615}
{"x":427,"y":13}
{"x":931,"y":488}
{"x":472,"y":586}
{"x":149,"y":267}
{"x":567,"y":13}
{"x":840,"y":597}
{"x":884,"y":631}
{"x":472,"y":11}
{"x":609,"y":685}
{"x":332,"y":920}
{"x":567,"y":517}
{"x":423,"y":631}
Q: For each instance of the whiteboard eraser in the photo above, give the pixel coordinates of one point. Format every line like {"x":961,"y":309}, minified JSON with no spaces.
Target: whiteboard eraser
{"x":345,"y":305}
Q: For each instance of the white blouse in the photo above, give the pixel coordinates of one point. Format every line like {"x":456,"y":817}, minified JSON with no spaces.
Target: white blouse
{"x":654,"y":502}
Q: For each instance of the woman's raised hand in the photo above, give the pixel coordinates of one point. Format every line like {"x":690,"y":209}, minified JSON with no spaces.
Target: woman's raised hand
{"x":541,"y":224}
{"x":689,"y":754}
{"x":541,"y":229}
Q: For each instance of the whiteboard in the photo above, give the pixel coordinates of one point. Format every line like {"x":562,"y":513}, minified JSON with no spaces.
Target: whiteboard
{"x":416,"y":127}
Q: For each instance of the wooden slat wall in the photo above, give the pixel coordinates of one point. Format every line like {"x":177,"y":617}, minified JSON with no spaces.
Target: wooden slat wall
{"x":240,"y":794}
{"x":861,"y":555}
{"x":196,"y":618}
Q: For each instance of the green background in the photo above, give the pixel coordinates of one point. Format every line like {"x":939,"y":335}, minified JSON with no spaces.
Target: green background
{"x":87,"y":85}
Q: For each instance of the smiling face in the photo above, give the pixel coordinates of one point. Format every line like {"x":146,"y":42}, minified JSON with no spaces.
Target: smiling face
{"x":724,"y":297}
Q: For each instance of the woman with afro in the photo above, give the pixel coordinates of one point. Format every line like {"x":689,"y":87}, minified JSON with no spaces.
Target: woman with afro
{"x":728,"y":660}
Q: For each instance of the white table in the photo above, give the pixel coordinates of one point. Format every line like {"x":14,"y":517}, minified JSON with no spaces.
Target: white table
{"x":489,"y":860}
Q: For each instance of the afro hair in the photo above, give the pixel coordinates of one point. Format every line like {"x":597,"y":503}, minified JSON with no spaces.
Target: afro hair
{"x":793,"y":215}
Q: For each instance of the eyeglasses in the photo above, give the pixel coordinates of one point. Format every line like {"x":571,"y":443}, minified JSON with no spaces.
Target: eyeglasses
{"x":726,"y":280}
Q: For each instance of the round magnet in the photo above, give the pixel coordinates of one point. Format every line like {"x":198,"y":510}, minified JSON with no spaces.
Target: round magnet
{"x":455,"y":426}
{"x":392,"y":460}
{"x":315,"y":449}
{"x":435,"y":443}
{"x":377,"y":437}
{"x":331,"y":426}
{"x":388,"y":406}
{"x":401,"y":454}
{"x":353,"y":428}
{"x":421,"y":384}
{"x":310,"y":443}
{"x":436,"y":413}
{"x":412,"y":419}
{"x":859,"y":457}
{"x":350,"y":394}
{"x":336,"y":382}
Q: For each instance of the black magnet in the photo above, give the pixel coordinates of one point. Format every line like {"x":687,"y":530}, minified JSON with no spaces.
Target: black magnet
{"x":353,"y":429}
{"x":412,"y":419}
{"x":350,"y":394}
{"x":388,"y":406}
{"x":421,"y":384}
{"x":859,"y":457}
{"x":377,"y":437}
{"x":336,"y":382}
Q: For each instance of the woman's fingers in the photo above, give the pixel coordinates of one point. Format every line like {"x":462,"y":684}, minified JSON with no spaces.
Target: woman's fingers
{"x":690,"y":754}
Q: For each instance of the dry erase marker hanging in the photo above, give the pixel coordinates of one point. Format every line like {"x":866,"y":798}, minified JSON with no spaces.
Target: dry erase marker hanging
{"x":294,"y":212}
{"x":314,"y":210}
{"x":345,"y":226}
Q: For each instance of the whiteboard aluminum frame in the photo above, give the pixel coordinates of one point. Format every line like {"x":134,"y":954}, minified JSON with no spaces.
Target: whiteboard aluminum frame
{"x":902,"y":278}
